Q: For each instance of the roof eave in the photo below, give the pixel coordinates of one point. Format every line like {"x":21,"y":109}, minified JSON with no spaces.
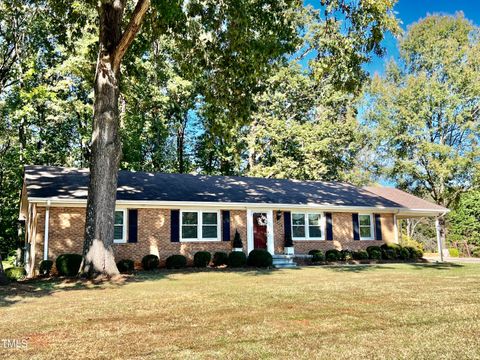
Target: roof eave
{"x":237,"y":205}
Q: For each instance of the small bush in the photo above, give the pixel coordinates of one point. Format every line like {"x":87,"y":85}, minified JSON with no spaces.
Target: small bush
{"x":374,"y":252}
{"x":317,"y":255}
{"x":346,"y":255}
{"x":220,"y":258}
{"x":390,"y":251}
{"x":68,"y":264}
{"x":237,"y":259}
{"x":360,"y":255}
{"x":201,"y":259}
{"x":150,"y":262}
{"x":404,"y":254}
{"x":259,"y":258}
{"x":237,"y":240}
{"x":15,"y":273}
{"x":412,"y":252}
{"x":453,"y":252}
{"x":45,"y":267}
{"x":476,"y":252}
{"x":126,"y":265}
{"x":176,"y":262}
{"x":332,"y":255}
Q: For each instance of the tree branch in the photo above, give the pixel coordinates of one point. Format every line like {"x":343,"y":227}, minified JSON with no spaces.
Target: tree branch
{"x":130,"y":32}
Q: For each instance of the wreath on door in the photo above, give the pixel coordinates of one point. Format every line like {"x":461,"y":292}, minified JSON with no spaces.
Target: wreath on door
{"x":262,"y":220}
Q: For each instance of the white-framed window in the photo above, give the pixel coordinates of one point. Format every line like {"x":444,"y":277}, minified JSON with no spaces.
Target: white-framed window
{"x":308,"y":226}
{"x":365,"y":226}
{"x":120,"y":226}
{"x":199,"y":225}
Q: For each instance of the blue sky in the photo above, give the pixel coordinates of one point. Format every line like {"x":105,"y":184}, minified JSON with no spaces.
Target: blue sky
{"x":410,"y":11}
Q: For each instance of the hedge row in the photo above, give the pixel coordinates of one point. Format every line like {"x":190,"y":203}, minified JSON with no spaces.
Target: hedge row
{"x":384,"y":252}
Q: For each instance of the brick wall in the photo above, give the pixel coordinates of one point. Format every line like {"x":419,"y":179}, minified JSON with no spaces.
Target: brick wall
{"x":66,"y":229}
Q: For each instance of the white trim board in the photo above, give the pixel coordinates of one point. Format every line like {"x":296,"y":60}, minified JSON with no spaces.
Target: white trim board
{"x":55,"y":202}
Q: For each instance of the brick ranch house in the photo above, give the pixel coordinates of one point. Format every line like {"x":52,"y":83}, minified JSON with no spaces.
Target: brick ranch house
{"x":165,"y":214}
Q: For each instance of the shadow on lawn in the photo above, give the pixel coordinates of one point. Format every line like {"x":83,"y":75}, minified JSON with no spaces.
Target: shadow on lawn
{"x":17,"y":292}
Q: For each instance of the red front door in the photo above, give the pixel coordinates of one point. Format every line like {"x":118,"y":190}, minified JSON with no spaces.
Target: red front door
{"x":259,"y":231}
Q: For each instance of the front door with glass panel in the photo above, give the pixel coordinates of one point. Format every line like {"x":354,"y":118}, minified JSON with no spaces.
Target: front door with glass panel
{"x":259,"y":230}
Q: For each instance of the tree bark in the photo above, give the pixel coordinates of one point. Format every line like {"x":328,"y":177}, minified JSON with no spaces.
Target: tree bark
{"x":98,"y":256}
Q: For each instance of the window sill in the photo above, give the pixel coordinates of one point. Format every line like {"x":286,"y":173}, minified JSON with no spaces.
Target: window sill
{"x":199,"y":240}
{"x":309,"y":239}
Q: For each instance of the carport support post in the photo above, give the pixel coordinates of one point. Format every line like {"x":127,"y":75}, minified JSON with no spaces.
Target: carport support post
{"x":439,"y":238}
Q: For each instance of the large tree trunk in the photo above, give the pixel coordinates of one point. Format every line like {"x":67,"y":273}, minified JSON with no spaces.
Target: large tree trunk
{"x":98,"y":257}
{"x":105,"y":149}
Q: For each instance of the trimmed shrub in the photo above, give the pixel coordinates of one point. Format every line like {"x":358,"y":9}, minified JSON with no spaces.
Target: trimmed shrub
{"x":176,"y":262}
{"x":412,"y":252}
{"x":332,"y":255}
{"x":374,"y":252}
{"x":201,"y":259}
{"x":346,"y":255}
{"x":125,"y":265}
{"x":237,"y":240}
{"x":68,"y":264}
{"x":317,"y":255}
{"x":360,"y":255}
{"x":390,"y":251}
{"x":404,"y":254}
{"x":220,"y":258}
{"x":237,"y":259}
{"x":259,"y":258}
{"x":150,"y":262}
{"x":15,"y":273}
{"x":453,"y":252}
{"x":45,"y":267}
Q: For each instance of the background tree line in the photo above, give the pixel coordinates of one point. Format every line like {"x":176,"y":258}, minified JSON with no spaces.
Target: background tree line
{"x":271,"y":89}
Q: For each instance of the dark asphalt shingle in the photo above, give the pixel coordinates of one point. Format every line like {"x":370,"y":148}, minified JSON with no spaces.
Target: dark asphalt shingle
{"x":70,"y":183}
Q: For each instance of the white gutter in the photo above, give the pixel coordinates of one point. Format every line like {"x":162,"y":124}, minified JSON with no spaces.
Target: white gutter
{"x":234,"y":205}
{"x":45,"y":239}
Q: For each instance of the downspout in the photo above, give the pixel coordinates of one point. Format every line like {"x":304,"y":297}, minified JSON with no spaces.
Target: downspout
{"x":45,"y":241}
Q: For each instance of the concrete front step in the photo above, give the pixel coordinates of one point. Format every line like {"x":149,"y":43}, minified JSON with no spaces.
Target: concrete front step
{"x":283,"y":261}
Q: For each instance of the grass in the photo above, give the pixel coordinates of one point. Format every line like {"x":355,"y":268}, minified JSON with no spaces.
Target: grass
{"x":384,"y":311}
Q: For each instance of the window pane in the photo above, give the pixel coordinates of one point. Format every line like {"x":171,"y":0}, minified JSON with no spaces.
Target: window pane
{"x":298,"y":231}
{"x":189,"y":232}
{"x":190,"y":218}
{"x":118,"y":232}
{"x":315,"y":231}
{"x":314,"y":219}
{"x":209,"y":232}
{"x":364,"y":219}
{"x":210,"y":218}
{"x":298,"y":219}
{"x":365,"y":232}
{"x":118,"y":217}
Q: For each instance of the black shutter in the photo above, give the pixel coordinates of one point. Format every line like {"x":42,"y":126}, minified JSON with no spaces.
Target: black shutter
{"x":226,"y":225}
{"x":329,"y":230}
{"x":175,"y":225}
{"x":378,"y":227}
{"x":356,"y":229}
{"x":287,"y":225}
{"x":132,"y":225}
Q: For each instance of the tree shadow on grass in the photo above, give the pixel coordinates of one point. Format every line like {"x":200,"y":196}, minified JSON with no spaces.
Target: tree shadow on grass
{"x":437,"y":266}
{"x":357,"y":268}
{"x":17,"y":292}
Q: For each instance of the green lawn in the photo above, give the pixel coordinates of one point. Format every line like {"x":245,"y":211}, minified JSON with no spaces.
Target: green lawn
{"x":384,"y":311}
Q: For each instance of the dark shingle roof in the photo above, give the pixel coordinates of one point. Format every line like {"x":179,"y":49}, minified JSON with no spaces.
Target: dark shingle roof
{"x":70,"y":183}
{"x":403,"y":198}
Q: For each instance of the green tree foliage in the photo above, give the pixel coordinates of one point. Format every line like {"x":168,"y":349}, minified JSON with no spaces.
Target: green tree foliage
{"x":464,"y":221}
{"x":424,"y":112}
